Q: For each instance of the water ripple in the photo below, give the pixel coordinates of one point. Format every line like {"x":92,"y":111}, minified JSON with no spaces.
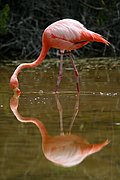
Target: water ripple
{"x":86,"y":93}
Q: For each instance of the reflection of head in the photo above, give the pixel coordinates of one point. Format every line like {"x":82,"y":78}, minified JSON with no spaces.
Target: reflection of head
{"x":64,"y":150}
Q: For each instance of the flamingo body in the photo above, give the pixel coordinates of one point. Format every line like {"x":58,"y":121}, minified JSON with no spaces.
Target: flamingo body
{"x":65,"y":150}
{"x":69,"y":150}
{"x":66,"y":34}
{"x":69,"y":34}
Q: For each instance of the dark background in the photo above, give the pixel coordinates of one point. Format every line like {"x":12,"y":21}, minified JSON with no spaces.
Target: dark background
{"x":23,"y":21}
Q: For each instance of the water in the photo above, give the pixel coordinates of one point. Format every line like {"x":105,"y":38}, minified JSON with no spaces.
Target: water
{"x":98,"y":119}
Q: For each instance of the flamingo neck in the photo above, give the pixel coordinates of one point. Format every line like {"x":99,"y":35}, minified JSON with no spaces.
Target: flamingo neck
{"x":40,"y":126}
{"x":14,"y":102}
{"x":38,"y":61}
{"x":35,"y":121}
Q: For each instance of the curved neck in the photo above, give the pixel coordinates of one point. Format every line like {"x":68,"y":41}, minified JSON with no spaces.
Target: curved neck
{"x":38,"y":61}
{"x":35,"y":121}
{"x":14,"y":107}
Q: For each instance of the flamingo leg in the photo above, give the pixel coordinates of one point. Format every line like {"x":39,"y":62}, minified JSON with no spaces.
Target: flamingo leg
{"x":60,"y":70}
{"x":60,"y":113}
{"x":75,"y":73}
{"x":76,"y":110}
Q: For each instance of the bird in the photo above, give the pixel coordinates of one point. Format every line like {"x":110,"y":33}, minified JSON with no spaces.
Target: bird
{"x":65,"y":150}
{"x":65,"y":35}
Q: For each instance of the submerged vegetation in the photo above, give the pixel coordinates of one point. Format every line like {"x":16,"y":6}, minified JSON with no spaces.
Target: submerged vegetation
{"x":22,"y":24}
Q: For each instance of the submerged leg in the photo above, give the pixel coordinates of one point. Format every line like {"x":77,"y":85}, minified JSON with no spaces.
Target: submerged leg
{"x":76,"y":110}
{"x":60,"y":70}
{"x":60,"y":113}
{"x":75,"y":72}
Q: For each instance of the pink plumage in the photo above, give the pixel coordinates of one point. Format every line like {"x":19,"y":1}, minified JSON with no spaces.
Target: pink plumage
{"x":66,"y":34}
{"x":69,"y":34}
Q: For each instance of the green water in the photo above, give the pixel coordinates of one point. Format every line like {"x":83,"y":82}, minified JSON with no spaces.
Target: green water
{"x":21,"y":156}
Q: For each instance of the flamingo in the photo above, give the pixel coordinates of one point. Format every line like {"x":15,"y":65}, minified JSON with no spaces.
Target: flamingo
{"x":65,"y":34}
{"x":65,"y":150}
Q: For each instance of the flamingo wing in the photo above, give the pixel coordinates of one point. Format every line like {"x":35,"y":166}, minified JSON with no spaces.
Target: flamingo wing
{"x":69,"y":34}
{"x":66,"y":34}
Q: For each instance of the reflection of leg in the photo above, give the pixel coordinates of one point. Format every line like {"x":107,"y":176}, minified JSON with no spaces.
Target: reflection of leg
{"x":76,"y":73}
{"x":60,"y":113}
{"x":60,"y":70}
{"x":76,"y":110}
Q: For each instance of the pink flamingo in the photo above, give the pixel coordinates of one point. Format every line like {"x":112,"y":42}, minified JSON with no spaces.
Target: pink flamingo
{"x":66,"y":34}
{"x":65,"y":149}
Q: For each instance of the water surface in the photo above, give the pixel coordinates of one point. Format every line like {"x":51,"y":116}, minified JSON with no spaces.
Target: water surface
{"x":21,"y":155}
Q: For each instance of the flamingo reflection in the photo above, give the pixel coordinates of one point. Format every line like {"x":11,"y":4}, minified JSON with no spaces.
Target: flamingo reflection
{"x":65,"y":149}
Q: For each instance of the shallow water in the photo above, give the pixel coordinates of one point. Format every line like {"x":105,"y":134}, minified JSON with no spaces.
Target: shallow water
{"x":98,"y":119}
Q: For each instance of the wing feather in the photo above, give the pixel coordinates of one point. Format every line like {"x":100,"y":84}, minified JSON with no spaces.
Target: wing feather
{"x":67,"y":29}
{"x":69,"y":34}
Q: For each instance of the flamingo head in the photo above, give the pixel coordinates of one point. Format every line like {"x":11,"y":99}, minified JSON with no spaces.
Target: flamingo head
{"x":14,"y":85}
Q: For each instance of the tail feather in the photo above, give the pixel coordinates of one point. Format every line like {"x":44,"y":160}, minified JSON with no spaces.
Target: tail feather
{"x":98,"y":147}
{"x":92,"y":36}
{"x":99,"y":38}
